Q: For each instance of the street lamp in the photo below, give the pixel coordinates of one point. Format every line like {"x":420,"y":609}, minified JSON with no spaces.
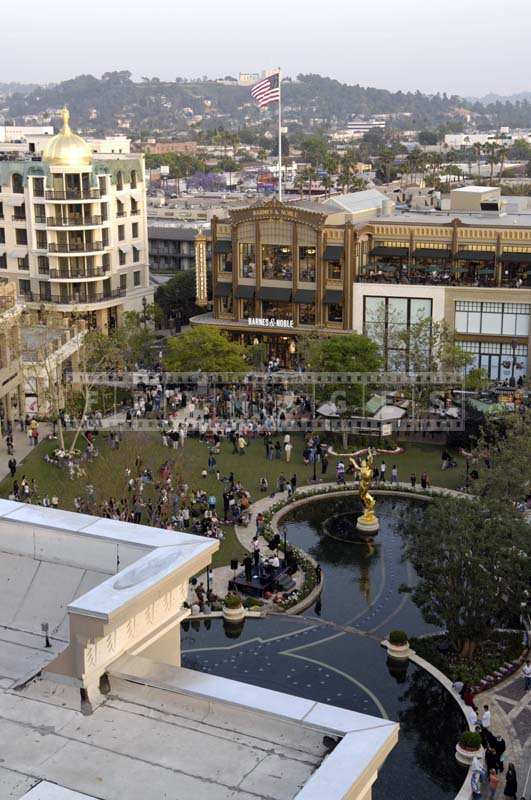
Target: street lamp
{"x":514,"y":345}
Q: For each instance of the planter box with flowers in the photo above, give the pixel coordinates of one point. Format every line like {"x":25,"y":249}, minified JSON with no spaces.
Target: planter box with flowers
{"x":397,"y":645}
{"x":468,"y":746}
{"x":233,"y":610}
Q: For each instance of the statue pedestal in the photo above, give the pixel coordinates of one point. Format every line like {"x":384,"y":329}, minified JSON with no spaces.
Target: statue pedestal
{"x":367,"y":527}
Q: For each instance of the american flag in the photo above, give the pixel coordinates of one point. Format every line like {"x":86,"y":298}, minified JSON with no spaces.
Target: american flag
{"x":267,"y":90}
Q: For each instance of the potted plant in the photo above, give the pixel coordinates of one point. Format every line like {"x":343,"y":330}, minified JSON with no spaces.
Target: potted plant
{"x":398,"y":645}
{"x":233,"y":609}
{"x":468,"y":746}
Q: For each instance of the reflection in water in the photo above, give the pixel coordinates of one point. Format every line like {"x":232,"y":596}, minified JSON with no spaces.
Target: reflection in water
{"x":308,"y":659}
{"x":429,"y":717}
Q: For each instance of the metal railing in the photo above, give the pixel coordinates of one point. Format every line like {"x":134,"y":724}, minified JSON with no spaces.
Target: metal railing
{"x":66,"y":222}
{"x":74,"y":247}
{"x":89,"y":272}
{"x":73,"y":194}
{"x":73,"y":300}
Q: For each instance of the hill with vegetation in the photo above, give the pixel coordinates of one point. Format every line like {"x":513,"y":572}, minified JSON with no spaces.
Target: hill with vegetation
{"x":152,"y":106}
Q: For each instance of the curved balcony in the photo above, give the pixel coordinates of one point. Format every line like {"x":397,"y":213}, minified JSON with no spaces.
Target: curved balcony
{"x":75,"y":247}
{"x":78,"y":274}
{"x":73,"y":194}
{"x":75,"y":300}
{"x":73,"y":221}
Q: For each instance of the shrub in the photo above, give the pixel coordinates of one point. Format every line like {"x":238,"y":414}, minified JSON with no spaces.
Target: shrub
{"x":398,"y":638}
{"x":253,"y":602}
{"x":470,"y":740}
{"x":232,"y":601}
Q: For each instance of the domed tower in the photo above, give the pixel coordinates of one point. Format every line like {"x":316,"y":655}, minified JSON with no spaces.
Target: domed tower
{"x":67,"y":149}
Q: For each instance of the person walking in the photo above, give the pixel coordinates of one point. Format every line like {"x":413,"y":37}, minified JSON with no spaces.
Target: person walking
{"x":424,"y":480}
{"x":12,"y":464}
{"x":486,"y":718}
{"x":499,"y":748}
{"x":511,"y":784}
{"x":256,"y":553}
{"x":493,"y":783}
{"x":413,"y":479}
{"x":526,"y":673}
{"x":383,"y":468}
{"x":242,"y":444}
{"x":287,"y":449}
{"x":394,"y":474}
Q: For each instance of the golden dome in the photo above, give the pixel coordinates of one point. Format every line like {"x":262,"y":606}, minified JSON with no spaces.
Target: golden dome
{"x":67,"y":149}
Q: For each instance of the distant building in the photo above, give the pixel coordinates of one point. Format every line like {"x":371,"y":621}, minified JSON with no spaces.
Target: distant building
{"x":172,"y":247}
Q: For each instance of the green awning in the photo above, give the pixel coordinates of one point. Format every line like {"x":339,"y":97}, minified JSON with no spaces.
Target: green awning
{"x":223,"y":246}
{"x":280,"y":293}
{"x":333,"y":252}
{"x":432,"y":252}
{"x":476,"y":255}
{"x":391,"y":252}
{"x":304,"y":296}
{"x":516,"y":258}
{"x":245,"y":292}
{"x":222,"y":289}
{"x":375,"y":403}
{"x":333,"y":296}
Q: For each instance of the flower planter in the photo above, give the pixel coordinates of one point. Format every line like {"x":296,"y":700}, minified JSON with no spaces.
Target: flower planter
{"x":399,"y":651}
{"x":465,"y":755}
{"x":233,"y":614}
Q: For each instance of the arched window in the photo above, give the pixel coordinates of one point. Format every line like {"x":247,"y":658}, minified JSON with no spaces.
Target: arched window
{"x":133,"y":179}
{"x":17,"y":183}
{"x":119,"y":180}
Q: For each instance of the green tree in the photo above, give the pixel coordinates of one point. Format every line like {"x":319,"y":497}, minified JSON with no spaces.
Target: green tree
{"x":477,"y":380}
{"x":206,"y":349}
{"x":177,"y":297}
{"x":502,"y":457}
{"x":427,"y":138}
{"x":472,"y":565}
{"x":349,"y":353}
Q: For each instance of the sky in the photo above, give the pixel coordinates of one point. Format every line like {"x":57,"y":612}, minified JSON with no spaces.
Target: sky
{"x":465,"y":47}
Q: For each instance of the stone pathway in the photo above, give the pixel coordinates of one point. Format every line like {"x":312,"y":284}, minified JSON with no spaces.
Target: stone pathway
{"x":510,"y":705}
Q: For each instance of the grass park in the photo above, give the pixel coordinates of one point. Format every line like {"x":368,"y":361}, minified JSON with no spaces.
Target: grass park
{"x":107,"y":472}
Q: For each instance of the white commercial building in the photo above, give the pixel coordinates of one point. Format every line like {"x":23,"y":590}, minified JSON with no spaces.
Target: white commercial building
{"x":73,"y":228}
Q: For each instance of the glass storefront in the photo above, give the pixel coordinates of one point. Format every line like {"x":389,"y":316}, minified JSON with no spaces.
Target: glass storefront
{"x":247,"y":260}
{"x":277,"y":262}
{"x":335,"y":312}
{"x":277,"y":309}
{"x":497,"y":319}
{"x":307,"y":263}
{"x":500,"y":360}
{"x":387,"y":320}
{"x":306,"y":314}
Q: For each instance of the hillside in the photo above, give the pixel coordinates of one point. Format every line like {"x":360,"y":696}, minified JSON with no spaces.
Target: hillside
{"x":100,"y":105}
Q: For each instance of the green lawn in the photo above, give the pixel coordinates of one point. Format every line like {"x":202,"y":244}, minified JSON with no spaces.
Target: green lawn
{"x":107,"y":472}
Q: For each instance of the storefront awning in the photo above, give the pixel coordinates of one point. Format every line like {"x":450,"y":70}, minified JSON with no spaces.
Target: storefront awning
{"x":432,"y":252}
{"x":222,"y":289}
{"x":245,"y":292}
{"x":223,"y":246}
{"x":304,"y":296}
{"x":281,"y":293}
{"x":516,"y":258}
{"x":476,"y":255}
{"x":333,"y":296}
{"x":390,"y":252}
{"x":333,"y":252}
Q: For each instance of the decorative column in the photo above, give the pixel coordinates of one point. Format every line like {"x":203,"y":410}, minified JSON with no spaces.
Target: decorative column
{"x":498,"y":264}
{"x":348,"y":278}
{"x":295,"y":276}
{"x":201,"y":287}
{"x":320,"y":278}
{"x":258,"y":270}
{"x":235,"y":270}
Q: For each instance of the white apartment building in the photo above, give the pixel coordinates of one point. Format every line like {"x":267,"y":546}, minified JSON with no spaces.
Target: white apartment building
{"x":73,"y":229}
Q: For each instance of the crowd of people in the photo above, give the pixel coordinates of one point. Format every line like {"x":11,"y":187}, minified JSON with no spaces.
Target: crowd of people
{"x":488,"y":771}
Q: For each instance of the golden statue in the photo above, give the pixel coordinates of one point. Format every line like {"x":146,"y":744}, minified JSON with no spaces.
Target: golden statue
{"x":368,"y":521}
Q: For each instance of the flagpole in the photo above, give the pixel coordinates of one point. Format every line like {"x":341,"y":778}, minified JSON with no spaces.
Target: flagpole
{"x":280,"y":135}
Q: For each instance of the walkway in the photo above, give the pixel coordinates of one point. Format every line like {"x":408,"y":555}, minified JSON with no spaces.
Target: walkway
{"x":510,"y":705}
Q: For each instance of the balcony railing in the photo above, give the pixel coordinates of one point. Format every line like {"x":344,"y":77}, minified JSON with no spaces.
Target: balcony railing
{"x":74,"y":247}
{"x":73,"y":194}
{"x":73,"y":300}
{"x":89,"y":272}
{"x":72,"y":221}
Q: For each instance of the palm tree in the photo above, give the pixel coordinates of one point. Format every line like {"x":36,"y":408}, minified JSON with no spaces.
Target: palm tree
{"x":327,"y":183}
{"x":490,"y":150}
{"x":478,"y":148}
{"x":503,"y":152}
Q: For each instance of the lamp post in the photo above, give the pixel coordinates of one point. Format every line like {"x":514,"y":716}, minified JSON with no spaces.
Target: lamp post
{"x":514,"y":345}
{"x":144,"y":311}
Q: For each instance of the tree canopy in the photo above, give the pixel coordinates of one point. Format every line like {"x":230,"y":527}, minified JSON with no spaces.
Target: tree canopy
{"x":178,"y":296}
{"x":472,"y":561}
{"x":206,"y":349}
